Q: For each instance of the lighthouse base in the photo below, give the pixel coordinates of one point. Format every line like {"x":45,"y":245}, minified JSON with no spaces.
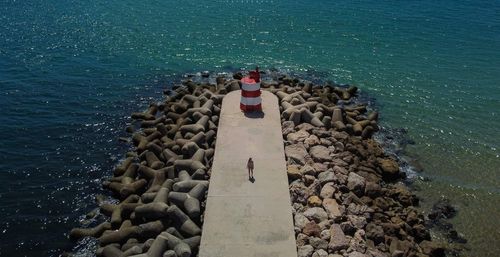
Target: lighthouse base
{"x":251,"y":108}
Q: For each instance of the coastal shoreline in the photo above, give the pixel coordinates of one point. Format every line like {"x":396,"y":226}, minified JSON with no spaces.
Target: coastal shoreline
{"x":367,"y":210}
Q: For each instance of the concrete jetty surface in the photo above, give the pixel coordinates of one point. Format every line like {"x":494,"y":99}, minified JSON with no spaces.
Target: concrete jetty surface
{"x":244,"y":218}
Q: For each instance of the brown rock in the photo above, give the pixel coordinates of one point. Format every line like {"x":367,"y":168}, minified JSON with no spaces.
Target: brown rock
{"x":293,"y":172}
{"x":325,"y":177}
{"x":305,"y":126}
{"x":340,"y":170}
{"x":299,"y":193}
{"x":308,"y":179}
{"x":305,"y":251}
{"x":314,"y":201}
{"x":332,"y":208}
{"x":403,"y":195}
{"x":432,"y":249}
{"x":287,"y":127}
{"x":338,"y":241}
{"x":325,"y":142}
{"x":402,"y":246}
{"x":366,"y":200}
{"x":302,"y":239}
{"x":316,"y":213}
{"x":300,"y":220}
{"x":359,"y":222}
{"x":320,"y":153}
{"x":356,"y":183}
{"x":375,"y":233}
{"x":420,"y":233}
{"x":320,"y":167}
{"x":348,"y":228}
{"x":389,"y":167}
{"x":413,"y":218}
{"x":312,"y":229}
{"x":312,"y":140}
{"x":297,"y":153}
{"x":321,"y":133}
{"x":372,"y":189}
{"x":318,"y":243}
{"x":339,"y":162}
{"x":390,"y":229}
{"x":298,"y":136}
{"x":238,"y":75}
{"x":373,"y":147}
{"x":357,"y":254}
{"x":382,"y":203}
{"x":307,"y":170}
{"x":327,"y":191}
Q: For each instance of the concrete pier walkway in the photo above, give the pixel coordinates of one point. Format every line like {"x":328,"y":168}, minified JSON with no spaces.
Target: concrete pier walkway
{"x":244,"y":218}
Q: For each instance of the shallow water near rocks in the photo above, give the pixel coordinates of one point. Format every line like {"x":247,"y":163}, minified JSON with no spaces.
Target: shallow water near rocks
{"x":72,"y":72}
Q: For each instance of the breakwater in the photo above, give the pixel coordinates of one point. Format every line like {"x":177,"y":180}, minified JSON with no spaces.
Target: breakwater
{"x":342,"y":185}
{"x":344,"y":189}
{"x":174,"y":148}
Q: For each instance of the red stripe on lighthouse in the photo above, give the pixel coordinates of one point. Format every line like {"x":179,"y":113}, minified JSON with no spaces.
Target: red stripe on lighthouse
{"x":255,"y":93}
{"x":251,"y":108}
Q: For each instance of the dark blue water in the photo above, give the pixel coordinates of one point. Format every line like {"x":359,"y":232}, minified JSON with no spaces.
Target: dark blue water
{"x":72,"y":71}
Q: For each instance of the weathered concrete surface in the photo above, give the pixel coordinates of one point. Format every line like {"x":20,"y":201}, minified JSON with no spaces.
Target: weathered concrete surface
{"x":244,"y":218}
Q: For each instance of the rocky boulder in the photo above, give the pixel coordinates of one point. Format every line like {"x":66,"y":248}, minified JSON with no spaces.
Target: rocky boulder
{"x":338,"y":241}
{"x":305,"y":251}
{"x":327,"y":190}
{"x":297,"y":153}
{"x":420,"y":232}
{"x":372,"y":189}
{"x":399,"y":247}
{"x":287,"y":127}
{"x":389,"y":168}
{"x":432,"y":249}
{"x":297,"y":137}
{"x":312,"y":140}
{"x":293,"y":172}
{"x":305,"y":126}
{"x":314,"y":201}
{"x":356,"y":183}
{"x":320,"y":253}
{"x":318,"y":243}
{"x":300,"y":220}
{"x":326,"y":177}
{"x":311,"y":229}
{"x":320,"y":153}
{"x":307,"y":170}
{"x":316,"y":213}
{"x":299,"y":193}
{"x":375,"y":233}
{"x":442,"y":210}
{"x":357,"y":254}
{"x":332,"y":208}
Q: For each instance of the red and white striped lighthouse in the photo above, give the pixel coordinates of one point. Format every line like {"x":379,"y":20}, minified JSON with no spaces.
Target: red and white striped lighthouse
{"x":250,"y":92}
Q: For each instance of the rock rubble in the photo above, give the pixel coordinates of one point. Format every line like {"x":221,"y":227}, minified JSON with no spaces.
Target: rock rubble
{"x":344,"y":189}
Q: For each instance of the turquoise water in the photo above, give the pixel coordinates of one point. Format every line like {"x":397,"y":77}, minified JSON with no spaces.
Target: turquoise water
{"x":72,"y":71}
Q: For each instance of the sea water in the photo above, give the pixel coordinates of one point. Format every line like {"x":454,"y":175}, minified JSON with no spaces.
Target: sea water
{"x":71,"y":72}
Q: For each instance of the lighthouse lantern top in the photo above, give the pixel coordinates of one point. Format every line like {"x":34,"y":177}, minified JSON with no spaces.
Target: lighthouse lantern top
{"x":255,"y":75}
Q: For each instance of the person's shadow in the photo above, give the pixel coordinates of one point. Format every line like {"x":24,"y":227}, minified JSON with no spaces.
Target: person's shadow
{"x":255,"y":115}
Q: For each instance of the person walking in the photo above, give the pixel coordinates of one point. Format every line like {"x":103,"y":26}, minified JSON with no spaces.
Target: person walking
{"x":250,"y":168}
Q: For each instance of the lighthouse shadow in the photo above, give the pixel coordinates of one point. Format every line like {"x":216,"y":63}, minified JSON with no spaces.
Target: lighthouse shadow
{"x":254,"y":115}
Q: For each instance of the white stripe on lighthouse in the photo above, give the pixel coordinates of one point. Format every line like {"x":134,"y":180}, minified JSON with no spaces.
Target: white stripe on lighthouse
{"x":250,"y":87}
{"x":251,"y":100}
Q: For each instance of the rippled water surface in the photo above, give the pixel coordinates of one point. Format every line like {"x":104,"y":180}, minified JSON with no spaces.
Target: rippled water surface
{"x":72,"y":71}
